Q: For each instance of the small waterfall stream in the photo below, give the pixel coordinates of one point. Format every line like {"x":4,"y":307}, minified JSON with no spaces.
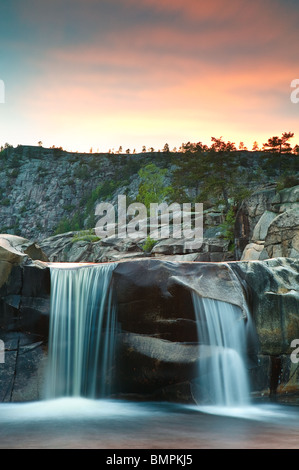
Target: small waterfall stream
{"x":82,"y":339}
{"x":82,"y":327}
{"x":223,"y":378}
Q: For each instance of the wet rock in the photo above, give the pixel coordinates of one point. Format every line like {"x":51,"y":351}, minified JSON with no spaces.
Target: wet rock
{"x":273,"y":296}
{"x":158,"y":340}
{"x":24,"y":320}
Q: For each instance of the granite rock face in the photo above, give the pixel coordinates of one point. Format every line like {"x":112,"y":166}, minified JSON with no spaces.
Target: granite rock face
{"x":282,"y":239}
{"x":165,"y":312}
{"x":274,"y":233}
{"x":24,"y":321}
{"x":157,"y":342}
{"x":63,"y":248}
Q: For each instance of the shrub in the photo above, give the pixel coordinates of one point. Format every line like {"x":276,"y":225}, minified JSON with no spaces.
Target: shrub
{"x":287,"y":182}
{"x":149,"y":244}
{"x":86,"y":236}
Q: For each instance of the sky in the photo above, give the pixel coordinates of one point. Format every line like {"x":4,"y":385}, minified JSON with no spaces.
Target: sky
{"x":101,"y":74}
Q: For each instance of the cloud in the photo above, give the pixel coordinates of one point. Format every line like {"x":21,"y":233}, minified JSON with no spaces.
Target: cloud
{"x":156,"y":68}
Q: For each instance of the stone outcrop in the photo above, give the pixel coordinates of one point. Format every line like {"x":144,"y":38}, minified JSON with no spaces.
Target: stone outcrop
{"x":275,"y":233}
{"x":42,"y":187}
{"x":282,"y":239}
{"x":266,"y":227}
{"x":157,"y":343}
{"x":249,"y":214}
{"x":65,"y":248}
{"x":24,"y":317}
{"x":211,"y":250}
{"x":165,"y":312}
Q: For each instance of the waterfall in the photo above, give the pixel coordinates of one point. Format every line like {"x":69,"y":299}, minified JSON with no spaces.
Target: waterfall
{"x":223,"y":378}
{"x":82,"y":331}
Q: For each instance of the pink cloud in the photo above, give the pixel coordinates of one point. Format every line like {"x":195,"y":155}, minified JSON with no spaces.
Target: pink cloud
{"x":221,"y":72}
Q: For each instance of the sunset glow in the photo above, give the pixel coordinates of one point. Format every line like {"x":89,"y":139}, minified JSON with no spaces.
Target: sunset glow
{"x":104,"y":74}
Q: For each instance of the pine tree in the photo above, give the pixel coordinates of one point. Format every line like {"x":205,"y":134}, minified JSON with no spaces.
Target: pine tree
{"x":276,"y":148}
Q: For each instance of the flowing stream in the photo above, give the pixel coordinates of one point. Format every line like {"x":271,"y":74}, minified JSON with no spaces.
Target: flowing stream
{"x":223,"y":378}
{"x":82,"y":331}
{"x":81,"y":345}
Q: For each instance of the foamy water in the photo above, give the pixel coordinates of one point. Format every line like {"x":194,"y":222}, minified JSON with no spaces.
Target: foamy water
{"x":111,"y":424}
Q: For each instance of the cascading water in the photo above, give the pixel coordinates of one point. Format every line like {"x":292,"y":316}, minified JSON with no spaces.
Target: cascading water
{"x":82,"y":331}
{"x":223,"y":378}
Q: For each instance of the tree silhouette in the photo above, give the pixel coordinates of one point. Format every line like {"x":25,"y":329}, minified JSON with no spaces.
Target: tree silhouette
{"x":242,"y":146}
{"x":212,"y":173}
{"x":279,"y":144}
{"x":277,"y":147}
{"x":296,"y":149}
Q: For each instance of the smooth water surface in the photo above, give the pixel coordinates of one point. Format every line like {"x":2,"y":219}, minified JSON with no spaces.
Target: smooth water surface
{"x":80,"y":423}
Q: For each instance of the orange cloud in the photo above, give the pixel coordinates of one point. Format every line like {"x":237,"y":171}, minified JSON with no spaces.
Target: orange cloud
{"x":202,"y":69}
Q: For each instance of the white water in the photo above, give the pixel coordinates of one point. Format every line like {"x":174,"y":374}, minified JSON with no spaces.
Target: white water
{"x":82,"y":327}
{"x":223,"y":378}
{"x":81,"y":302}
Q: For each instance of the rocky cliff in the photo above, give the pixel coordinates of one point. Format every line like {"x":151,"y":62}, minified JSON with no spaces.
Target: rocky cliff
{"x":49,"y":191}
{"x":157,"y":350}
{"x":40,"y":188}
{"x":268,"y":224}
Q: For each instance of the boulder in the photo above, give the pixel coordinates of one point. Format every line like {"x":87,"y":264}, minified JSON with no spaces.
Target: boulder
{"x":282,"y":239}
{"x":261,"y":229}
{"x":277,"y":229}
{"x":285,"y":199}
{"x":248,"y":215}
{"x":148,"y":365}
{"x":156,"y":316}
{"x":15,"y":250}
{"x":211,"y":249}
{"x":252,"y":251}
{"x":68,"y":247}
{"x":273,"y":295}
{"x":157,"y":341}
{"x":24,"y":318}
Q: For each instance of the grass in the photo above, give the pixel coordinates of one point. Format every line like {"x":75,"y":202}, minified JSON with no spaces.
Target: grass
{"x":85,"y":236}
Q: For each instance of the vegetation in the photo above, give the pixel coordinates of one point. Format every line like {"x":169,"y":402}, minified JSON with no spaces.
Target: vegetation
{"x":84,"y":216}
{"x":287,"y":181}
{"x":214,"y":175}
{"x":220,"y":175}
{"x":228,"y":227}
{"x":152,"y":188}
{"x":86,"y":236}
{"x":278,"y":154}
{"x":149,"y":244}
